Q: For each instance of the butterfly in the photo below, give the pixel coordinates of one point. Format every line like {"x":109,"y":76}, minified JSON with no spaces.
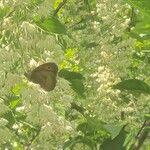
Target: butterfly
{"x":44,"y":75}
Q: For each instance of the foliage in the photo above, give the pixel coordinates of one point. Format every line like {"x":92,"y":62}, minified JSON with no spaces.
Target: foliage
{"x":101,"y":100}
{"x":133,"y":85}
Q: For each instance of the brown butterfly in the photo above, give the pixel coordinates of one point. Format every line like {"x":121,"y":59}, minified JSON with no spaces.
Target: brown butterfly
{"x":44,"y":75}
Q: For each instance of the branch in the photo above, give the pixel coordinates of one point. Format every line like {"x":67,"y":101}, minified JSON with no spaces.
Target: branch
{"x":141,"y":136}
{"x":78,"y":108}
{"x":77,"y":23}
{"x":59,"y":7}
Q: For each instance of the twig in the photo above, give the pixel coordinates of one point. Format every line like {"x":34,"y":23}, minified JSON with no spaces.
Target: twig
{"x":78,"y":108}
{"x":77,"y":23}
{"x":122,"y":115}
{"x":141,"y":136}
{"x":132,"y":13}
{"x":59,"y":7}
{"x":144,"y":124}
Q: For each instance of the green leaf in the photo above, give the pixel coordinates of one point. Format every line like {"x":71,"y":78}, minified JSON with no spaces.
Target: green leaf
{"x":69,"y":75}
{"x":143,"y":18}
{"x":143,"y":24}
{"x":10,"y":117}
{"x":114,"y":128}
{"x":142,"y":5}
{"x":90,"y":128}
{"x":115,"y":144}
{"x":75,"y":79}
{"x":51,"y":24}
{"x":147,"y":116}
{"x":79,"y":139}
{"x":133,"y":85}
{"x":77,"y":86}
{"x":16,"y":90}
{"x":4,"y":11}
{"x":136,"y":35}
{"x":15,"y":103}
{"x":93,"y":128}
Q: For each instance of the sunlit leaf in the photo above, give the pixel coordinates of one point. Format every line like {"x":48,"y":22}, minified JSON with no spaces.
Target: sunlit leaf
{"x":51,"y":24}
{"x":142,"y":5}
{"x":4,"y":11}
{"x":18,"y":88}
{"x":15,"y":103}
{"x":114,"y":128}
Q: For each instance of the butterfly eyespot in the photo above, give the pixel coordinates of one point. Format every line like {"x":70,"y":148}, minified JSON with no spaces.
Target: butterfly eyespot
{"x":48,"y":67}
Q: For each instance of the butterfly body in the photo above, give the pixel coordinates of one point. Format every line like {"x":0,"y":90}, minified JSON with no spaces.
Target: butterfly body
{"x":44,"y":75}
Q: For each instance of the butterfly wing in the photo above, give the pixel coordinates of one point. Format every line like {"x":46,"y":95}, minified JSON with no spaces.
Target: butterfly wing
{"x":44,"y":75}
{"x":46,"y":79}
{"x":50,"y":82}
{"x":49,"y":67}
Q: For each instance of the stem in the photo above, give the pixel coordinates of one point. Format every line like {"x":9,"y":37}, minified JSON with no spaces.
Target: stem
{"x":59,"y":7}
{"x":132,"y":13}
{"x":141,"y":136}
{"x":78,"y":108}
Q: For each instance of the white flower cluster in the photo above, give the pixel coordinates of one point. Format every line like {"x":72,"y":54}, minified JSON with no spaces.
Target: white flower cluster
{"x":23,"y":46}
{"x":38,"y":45}
{"x":107,"y":60}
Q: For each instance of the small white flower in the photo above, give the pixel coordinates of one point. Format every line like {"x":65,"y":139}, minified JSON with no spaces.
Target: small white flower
{"x":142,"y":35}
{"x":7,"y":48}
{"x":1,"y":4}
{"x":68,"y":128}
{"x":33,"y":63}
{"x":92,"y":12}
{"x":104,"y":54}
{"x":116,"y":5}
{"x":20,"y":108}
{"x":113,"y":27}
{"x":3,"y":122}
{"x":127,"y":21}
{"x":15,"y":126}
{"x":15,"y":144}
{"x":104,"y":17}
